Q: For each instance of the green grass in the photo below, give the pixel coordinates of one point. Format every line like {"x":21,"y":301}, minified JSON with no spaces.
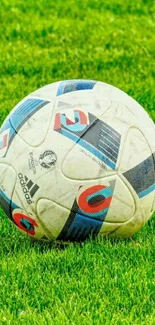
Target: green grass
{"x":102,"y":281}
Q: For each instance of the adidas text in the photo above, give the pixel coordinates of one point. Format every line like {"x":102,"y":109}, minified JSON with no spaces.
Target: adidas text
{"x":28,"y":187}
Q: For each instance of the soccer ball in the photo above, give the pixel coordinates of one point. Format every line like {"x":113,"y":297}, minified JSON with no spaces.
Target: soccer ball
{"x":77,"y":159}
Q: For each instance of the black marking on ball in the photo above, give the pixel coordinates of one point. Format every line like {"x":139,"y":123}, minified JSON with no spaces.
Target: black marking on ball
{"x":96,"y":200}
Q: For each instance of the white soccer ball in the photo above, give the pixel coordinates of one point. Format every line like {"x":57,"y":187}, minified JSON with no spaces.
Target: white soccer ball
{"x":77,"y":159}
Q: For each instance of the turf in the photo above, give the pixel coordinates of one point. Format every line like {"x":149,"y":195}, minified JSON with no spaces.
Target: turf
{"x":102,"y":281}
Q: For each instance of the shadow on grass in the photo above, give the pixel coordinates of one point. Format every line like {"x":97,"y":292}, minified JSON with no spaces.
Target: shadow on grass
{"x":17,"y":243}
{"x":13,"y":242}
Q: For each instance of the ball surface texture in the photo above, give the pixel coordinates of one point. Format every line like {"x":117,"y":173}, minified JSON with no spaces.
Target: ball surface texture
{"x":77,"y":159}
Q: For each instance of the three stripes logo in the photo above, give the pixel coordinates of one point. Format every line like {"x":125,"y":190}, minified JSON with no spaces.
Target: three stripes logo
{"x":28,"y":187}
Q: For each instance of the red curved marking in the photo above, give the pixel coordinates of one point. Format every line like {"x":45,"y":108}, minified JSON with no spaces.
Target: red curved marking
{"x":57,"y":124}
{"x":84,"y":205}
{"x":17,"y":218}
{"x":4,"y":142}
{"x":83,"y":117}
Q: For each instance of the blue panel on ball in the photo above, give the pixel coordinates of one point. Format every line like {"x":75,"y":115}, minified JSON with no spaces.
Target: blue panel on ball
{"x":142,"y":176}
{"x":74,"y":85}
{"x":93,"y":134}
{"x":147,"y":191}
{"x":20,"y":115}
{"x":25,"y":111}
{"x":89,"y":147}
{"x":81,"y":228}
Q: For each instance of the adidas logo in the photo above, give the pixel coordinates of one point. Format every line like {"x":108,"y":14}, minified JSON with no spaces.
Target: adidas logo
{"x":28,"y":187}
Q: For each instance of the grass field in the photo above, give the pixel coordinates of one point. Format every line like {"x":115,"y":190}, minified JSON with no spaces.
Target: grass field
{"x":109,"y":282}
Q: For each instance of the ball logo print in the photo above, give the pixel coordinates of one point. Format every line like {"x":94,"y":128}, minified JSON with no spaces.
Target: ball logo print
{"x":99,"y":177}
{"x":28,"y":187}
{"x":47,"y":159}
{"x":32,"y":163}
